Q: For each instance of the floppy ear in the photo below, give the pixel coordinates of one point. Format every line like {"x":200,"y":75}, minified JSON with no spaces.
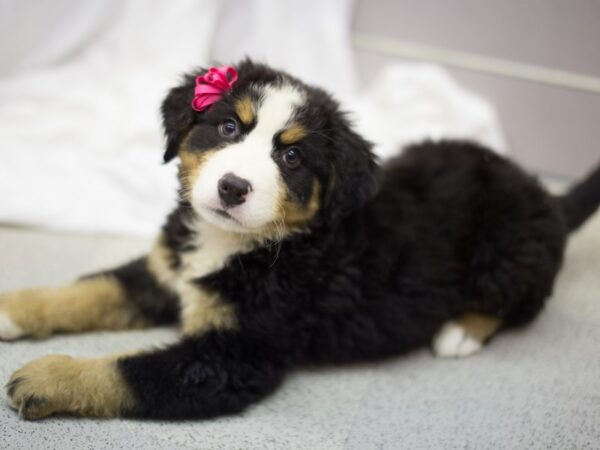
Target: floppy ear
{"x":177,"y":114}
{"x":352,"y":179}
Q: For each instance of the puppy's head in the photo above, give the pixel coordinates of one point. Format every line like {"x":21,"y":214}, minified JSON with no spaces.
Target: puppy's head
{"x":272,"y":156}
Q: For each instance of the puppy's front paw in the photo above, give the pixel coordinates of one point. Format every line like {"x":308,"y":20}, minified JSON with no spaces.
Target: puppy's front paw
{"x":18,"y":312}
{"x":27,"y":313}
{"x":9,"y":331}
{"x":41,"y":388}
{"x":61,"y":384}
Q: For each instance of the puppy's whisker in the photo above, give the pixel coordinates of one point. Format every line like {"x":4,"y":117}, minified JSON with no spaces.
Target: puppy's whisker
{"x":279,"y":236}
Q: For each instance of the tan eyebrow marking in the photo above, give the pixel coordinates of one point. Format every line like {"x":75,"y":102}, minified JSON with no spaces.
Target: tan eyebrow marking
{"x":293,"y":134}
{"x":245,"y":110}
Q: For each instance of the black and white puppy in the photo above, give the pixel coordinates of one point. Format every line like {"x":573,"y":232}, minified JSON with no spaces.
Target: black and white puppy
{"x":291,"y":246}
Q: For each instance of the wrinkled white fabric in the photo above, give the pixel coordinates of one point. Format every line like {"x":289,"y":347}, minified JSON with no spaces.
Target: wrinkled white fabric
{"x":81,"y":84}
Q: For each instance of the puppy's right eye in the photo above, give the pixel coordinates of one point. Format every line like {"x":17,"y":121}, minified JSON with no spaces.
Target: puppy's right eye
{"x":228,"y":128}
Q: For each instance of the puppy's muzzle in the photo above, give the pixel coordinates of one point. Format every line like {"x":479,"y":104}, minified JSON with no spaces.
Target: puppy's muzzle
{"x":233,"y":190}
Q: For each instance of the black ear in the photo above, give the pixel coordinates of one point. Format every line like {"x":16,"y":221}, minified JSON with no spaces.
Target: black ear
{"x":353,"y":173}
{"x":177,"y":114}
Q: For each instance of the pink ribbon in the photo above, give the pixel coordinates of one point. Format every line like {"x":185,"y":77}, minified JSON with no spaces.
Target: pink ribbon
{"x":211,"y":86}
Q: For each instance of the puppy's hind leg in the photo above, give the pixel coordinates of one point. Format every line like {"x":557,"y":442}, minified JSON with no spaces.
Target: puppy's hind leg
{"x":465,"y":335}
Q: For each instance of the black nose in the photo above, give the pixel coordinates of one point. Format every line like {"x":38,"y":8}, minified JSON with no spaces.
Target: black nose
{"x":233,"y":190}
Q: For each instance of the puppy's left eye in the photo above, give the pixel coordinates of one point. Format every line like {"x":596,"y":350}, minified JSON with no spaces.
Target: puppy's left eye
{"x":228,"y":128}
{"x":291,"y":157}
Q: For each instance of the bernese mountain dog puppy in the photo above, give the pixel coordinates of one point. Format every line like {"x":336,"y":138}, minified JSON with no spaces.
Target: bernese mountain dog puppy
{"x":291,"y":246}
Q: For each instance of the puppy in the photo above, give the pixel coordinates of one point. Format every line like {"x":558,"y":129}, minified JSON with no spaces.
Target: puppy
{"x":291,"y":246}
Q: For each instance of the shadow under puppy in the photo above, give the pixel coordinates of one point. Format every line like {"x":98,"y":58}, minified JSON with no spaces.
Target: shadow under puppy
{"x":291,"y":246}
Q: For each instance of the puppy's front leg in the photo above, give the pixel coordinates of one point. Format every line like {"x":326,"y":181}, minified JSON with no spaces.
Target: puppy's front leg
{"x":61,"y":384}
{"x":126,"y":297}
{"x":215,"y":374}
{"x":218,"y":373}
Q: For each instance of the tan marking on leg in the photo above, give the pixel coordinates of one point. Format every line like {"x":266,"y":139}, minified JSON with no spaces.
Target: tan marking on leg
{"x":203,"y":311}
{"x":293,"y":134}
{"x":98,"y":303}
{"x":297,"y":215}
{"x":479,"y":326}
{"x":244,"y":108}
{"x":61,"y":384}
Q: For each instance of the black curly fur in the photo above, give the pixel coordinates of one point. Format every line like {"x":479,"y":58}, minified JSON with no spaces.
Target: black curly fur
{"x":447,"y":228}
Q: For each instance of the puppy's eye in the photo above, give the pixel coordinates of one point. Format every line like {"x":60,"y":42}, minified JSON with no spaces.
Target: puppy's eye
{"x":291,"y":157}
{"x":228,"y":128}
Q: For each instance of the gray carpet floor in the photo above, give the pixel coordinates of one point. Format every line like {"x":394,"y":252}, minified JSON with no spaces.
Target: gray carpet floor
{"x":534,"y":388}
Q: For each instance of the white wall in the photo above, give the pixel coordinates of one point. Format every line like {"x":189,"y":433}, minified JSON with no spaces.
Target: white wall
{"x":549,"y":128}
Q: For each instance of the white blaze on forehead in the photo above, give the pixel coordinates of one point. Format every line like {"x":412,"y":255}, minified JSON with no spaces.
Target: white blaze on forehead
{"x":250,"y":159}
{"x":276,"y":110}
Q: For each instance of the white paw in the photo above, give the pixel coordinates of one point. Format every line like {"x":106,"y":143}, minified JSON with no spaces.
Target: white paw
{"x":8,"y":330}
{"x":452,"y":341}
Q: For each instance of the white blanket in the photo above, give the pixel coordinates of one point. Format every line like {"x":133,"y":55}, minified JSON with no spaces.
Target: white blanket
{"x":81,"y":83}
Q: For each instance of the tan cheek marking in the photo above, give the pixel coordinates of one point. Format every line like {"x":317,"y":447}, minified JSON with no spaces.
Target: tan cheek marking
{"x":479,"y":326}
{"x":203,"y":311}
{"x":293,"y":134}
{"x":189,"y":167}
{"x":296,"y":215}
{"x":244,"y":108}
{"x":91,"y":304}
{"x":61,"y":384}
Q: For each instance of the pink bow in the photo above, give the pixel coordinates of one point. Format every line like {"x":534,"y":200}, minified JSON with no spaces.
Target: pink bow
{"x":211,"y":86}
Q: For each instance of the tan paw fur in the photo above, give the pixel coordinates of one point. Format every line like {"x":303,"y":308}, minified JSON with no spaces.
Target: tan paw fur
{"x":60,"y":384}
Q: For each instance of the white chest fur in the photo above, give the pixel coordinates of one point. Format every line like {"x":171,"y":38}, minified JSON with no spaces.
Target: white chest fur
{"x":212,"y":249}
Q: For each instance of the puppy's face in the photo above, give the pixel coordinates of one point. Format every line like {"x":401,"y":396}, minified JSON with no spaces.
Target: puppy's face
{"x":268,"y":157}
{"x":244,"y":164}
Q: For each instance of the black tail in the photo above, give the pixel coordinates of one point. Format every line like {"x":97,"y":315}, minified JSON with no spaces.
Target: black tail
{"x":582,"y":200}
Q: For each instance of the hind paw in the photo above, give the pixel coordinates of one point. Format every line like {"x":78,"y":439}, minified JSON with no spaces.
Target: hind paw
{"x":453,"y":341}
